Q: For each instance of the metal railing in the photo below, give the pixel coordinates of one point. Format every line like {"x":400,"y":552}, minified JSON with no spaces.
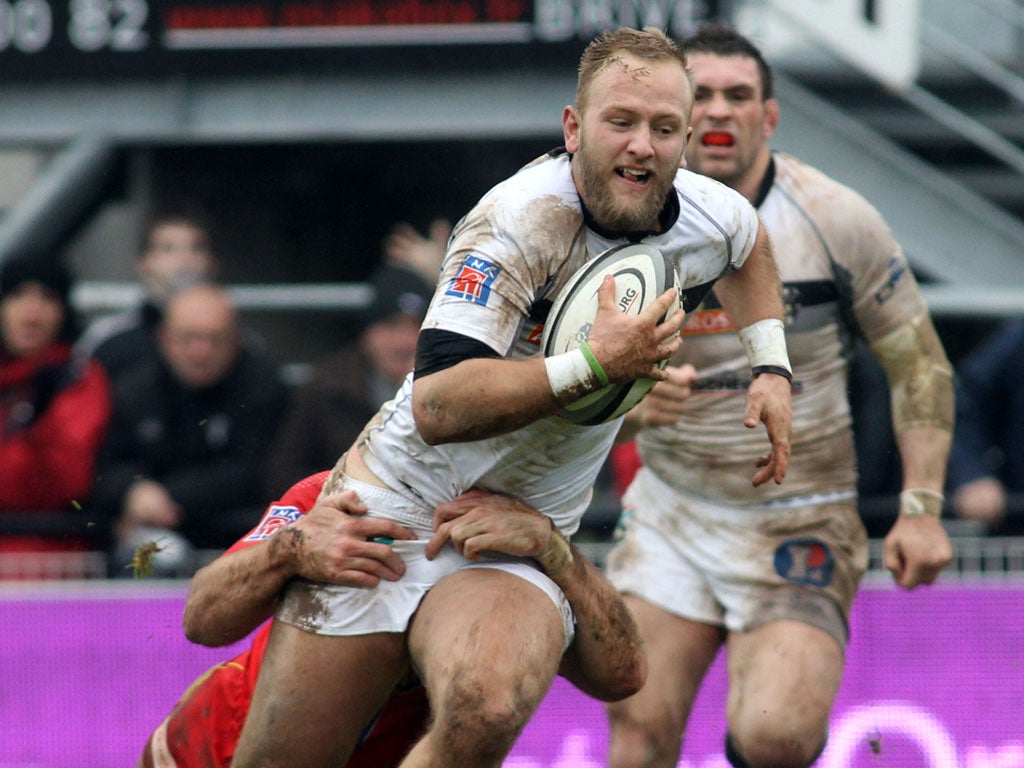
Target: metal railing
{"x":975,"y":557}
{"x":989,"y":558}
{"x":99,"y":297}
{"x":48,"y":566}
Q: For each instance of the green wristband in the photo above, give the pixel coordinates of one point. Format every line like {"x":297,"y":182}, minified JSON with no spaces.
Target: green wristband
{"x":595,"y":364}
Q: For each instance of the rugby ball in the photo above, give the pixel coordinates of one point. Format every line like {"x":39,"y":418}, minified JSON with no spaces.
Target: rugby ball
{"x":642,"y":273}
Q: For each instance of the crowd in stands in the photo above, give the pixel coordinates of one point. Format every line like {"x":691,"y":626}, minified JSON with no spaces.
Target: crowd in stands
{"x":986,"y":468}
{"x":54,"y":412}
{"x":170,"y":424}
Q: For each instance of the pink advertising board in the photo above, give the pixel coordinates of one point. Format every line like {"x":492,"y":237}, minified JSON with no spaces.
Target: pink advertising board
{"x":935,"y":679}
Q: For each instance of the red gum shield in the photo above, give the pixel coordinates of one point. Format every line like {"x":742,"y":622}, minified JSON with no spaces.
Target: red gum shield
{"x":717,"y":139}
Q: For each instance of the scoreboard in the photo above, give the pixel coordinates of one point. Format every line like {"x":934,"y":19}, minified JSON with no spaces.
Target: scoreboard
{"x":124,"y":38}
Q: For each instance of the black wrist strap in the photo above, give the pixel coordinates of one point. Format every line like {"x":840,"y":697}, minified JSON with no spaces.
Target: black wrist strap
{"x":778,"y":370}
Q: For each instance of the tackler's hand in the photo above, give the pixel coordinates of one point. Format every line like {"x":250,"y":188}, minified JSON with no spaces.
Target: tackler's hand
{"x":479,"y":521}
{"x":335,"y":542}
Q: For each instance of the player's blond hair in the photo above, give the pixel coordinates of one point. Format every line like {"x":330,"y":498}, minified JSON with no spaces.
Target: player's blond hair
{"x":648,"y":43}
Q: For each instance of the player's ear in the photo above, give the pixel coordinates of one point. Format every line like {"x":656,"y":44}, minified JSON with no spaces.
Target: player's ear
{"x":771,"y":118}
{"x":689,"y":135}
{"x":571,"y":129}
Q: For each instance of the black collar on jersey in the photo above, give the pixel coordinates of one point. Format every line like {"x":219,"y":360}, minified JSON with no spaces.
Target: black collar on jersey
{"x":766,"y":183}
{"x":667,"y":217}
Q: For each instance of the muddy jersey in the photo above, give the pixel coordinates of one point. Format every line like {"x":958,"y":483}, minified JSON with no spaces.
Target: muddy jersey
{"x":506,"y":262}
{"x":843,"y":274}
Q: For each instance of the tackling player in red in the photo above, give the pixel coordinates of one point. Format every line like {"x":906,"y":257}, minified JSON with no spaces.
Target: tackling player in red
{"x":329,"y":539}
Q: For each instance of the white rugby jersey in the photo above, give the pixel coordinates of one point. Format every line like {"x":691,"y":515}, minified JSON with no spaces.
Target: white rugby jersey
{"x":506,"y":261}
{"x":842,"y":273}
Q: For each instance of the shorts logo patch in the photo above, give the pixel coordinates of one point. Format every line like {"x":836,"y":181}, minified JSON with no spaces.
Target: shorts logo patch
{"x":273,"y":520}
{"x":474,"y":280}
{"x":805,"y":561}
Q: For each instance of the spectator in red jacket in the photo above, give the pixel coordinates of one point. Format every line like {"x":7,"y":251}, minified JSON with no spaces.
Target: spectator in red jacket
{"x":54,"y":412}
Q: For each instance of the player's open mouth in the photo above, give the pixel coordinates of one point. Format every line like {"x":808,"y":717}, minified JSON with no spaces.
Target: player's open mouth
{"x":636,"y":175}
{"x":717,"y":139}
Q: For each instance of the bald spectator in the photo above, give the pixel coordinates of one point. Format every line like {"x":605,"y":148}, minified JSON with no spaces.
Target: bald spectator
{"x":185,"y":456}
{"x":175,"y":251}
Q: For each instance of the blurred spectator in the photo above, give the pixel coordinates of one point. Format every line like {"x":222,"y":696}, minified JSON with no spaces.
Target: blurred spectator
{"x":54,"y":411}
{"x":986,"y":468}
{"x":346,"y":389}
{"x":187,"y":445}
{"x":405,"y":247}
{"x":174,"y":252}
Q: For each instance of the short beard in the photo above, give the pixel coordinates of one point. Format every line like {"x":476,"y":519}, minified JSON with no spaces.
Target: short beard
{"x":612,"y":215}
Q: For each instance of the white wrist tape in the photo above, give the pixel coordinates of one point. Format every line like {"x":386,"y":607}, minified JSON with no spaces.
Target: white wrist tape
{"x":765,"y":344}
{"x":917,"y":502}
{"x":570,"y":375}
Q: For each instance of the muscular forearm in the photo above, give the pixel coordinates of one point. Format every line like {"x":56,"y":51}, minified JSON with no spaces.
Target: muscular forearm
{"x":233,"y":595}
{"x":924,"y":452}
{"x":921,"y":384}
{"x":505,"y":395}
{"x":605,"y":660}
{"x":508,"y":394}
{"x":917,"y":548}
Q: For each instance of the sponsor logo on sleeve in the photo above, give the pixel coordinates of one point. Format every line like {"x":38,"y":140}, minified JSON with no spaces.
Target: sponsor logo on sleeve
{"x":896,"y":271}
{"x":273,"y":520}
{"x":473,"y":281}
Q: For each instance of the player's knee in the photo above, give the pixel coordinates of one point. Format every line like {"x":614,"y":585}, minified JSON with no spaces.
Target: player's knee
{"x":642,"y":741}
{"x":630,"y":748}
{"x":480,"y":723}
{"x":770,"y":748}
{"x":483,"y":740}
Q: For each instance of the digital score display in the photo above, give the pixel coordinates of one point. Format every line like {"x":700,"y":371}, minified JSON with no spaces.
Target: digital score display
{"x":303,"y":23}
{"x":98,"y":38}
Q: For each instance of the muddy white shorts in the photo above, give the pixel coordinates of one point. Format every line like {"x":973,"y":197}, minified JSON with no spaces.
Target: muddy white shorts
{"x":739,"y":567}
{"x":327,"y":609}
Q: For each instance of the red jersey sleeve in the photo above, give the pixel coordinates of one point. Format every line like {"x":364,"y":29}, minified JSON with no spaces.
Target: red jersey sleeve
{"x":296,"y":502}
